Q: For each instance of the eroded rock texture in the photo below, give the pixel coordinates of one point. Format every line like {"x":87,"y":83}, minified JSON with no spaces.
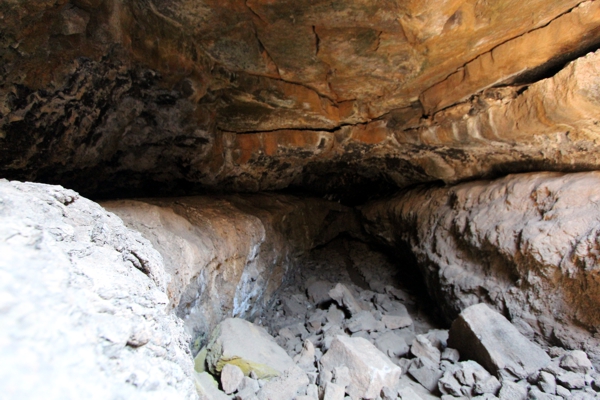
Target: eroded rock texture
{"x":226,"y":256}
{"x":83,"y":308}
{"x":525,"y":244}
{"x":150,"y":97}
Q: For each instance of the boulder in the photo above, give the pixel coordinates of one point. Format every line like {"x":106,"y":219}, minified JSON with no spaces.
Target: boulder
{"x":370,"y":369}
{"x":484,"y":335}
{"x":248,"y":346}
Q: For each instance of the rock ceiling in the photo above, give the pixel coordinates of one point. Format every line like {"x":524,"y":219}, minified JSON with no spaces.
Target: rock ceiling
{"x":338,"y":97}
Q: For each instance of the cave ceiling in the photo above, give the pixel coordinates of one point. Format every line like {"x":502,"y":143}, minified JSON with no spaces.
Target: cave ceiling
{"x":126,"y":97}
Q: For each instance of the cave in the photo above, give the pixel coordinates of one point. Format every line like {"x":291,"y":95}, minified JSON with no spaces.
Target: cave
{"x":408,"y":183}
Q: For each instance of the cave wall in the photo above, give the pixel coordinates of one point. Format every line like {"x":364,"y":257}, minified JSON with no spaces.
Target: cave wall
{"x":526,"y":244}
{"x":226,"y":256}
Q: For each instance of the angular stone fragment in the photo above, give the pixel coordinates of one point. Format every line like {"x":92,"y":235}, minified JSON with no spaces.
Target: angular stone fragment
{"x":396,"y":321}
{"x":571,"y":380}
{"x":250,"y":347}
{"x":392,"y":345}
{"x":512,"y":391}
{"x":231,"y":377}
{"x":576,"y":361}
{"x":421,"y":347}
{"x":342,"y":295}
{"x":425,"y":373}
{"x":306,"y":358}
{"x":547,"y":382}
{"x":537,"y":394}
{"x":449,"y":385}
{"x":362,"y":321}
{"x":370,"y":369}
{"x":484,"y":335}
{"x":450,"y":354}
{"x":407,"y":393}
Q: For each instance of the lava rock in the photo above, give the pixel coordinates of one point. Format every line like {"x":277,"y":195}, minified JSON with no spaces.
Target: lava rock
{"x":342,"y":295}
{"x":370,"y":369}
{"x":484,"y":335}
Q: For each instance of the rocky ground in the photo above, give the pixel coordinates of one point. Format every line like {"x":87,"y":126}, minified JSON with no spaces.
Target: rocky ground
{"x":340,"y":330}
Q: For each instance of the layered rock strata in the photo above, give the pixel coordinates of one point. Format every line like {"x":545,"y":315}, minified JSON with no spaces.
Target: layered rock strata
{"x":525,"y":244}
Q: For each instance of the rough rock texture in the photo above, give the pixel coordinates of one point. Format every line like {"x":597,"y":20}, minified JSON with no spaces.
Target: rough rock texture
{"x":149,"y":97}
{"x":525,"y":244}
{"x":83,"y":308}
{"x":482,"y":334}
{"x":226,"y":255}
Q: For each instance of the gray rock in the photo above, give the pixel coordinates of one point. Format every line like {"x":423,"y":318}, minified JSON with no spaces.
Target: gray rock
{"x":450,"y":354}
{"x":576,"y":361}
{"x":449,"y":385}
{"x":407,"y":393}
{"x":489,"y":385}
{"x":536,"y":394}
{"x":396,"y":321}
{"x":285,"y":386}
{"x":563,"y":392}
{"x":484,"y":335}
{"x":422,"y":348}
{"x":231,"y":378}
{"x":342,"y":295}
{"x":426,"y":374}
{"x":318,"y":292}
{"x":470,"y":373}
{"x":392,"y":345}
{"x":571,"y":380}
{"x":547,"y":382}
{"x":334,"y":315}
{"x":370,"y":369}
{"x":512,"y":391}
{"x":388,"y":393}
{"x":333,"y":392}
{"x":249,"y":347}
{"x":362,"y":321}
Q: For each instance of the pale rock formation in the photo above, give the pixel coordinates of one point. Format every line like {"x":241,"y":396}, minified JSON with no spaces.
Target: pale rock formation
{"x":83,"y":304}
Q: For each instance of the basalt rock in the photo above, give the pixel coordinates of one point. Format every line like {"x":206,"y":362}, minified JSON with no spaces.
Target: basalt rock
{"x":525,"y":244}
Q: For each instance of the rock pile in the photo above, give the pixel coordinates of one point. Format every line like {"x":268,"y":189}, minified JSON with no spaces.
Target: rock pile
{"x":345,"y":342}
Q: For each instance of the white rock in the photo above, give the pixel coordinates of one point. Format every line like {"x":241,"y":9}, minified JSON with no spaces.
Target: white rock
{"x":576,"y":361}
{"x":370,"y":369}
{"x":207,"y":387}
{"x":333,"y":392}
{"x":231,"y":378}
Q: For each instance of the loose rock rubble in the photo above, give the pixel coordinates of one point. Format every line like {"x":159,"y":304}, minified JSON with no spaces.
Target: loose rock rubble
{"x":345,"y":341}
